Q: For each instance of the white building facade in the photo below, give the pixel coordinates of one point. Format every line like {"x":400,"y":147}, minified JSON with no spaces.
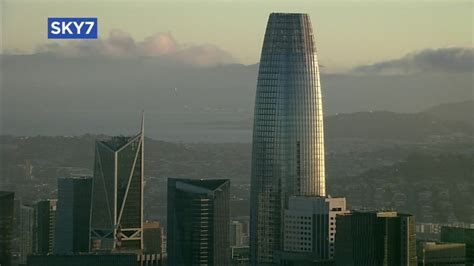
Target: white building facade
{"x":310,"y":229}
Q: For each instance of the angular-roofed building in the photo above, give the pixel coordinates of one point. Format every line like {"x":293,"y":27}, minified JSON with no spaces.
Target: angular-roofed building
{"x":117,"y":194}
{"x":198,"y":222}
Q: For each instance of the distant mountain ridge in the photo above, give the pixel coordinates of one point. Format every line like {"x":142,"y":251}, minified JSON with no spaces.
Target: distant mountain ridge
{"x":443,"y":119}
{"x":48,"y":95}
{"x":389,"y":125}
{"x":458,"y":111}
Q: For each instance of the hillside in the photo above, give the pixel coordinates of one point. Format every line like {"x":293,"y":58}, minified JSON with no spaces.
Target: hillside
{"x":388,"y":125}
{"x":459,"y":111}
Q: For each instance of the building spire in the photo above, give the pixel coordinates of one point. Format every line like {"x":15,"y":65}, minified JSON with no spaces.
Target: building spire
{"x":143,"y":123}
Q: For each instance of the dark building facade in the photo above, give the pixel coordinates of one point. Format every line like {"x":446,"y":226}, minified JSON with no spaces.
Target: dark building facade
{"x":117,"y":194}
{"x":460,"y":235}
{"x":26,"y":232}
{"x":198,"y":222}
{"x":375,"y":238}
{"x":73,"y":215}
{"x":6,"y":227}
{"x":288,"y":133}
{"x":83,"y":259}
{"x":240,"y":256}
{"x":435,"y":253}
{"x":45,"y":224}
{"x":152,"y":237}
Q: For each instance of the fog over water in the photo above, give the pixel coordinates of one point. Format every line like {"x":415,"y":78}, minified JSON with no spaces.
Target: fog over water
{"x":50,"y":94}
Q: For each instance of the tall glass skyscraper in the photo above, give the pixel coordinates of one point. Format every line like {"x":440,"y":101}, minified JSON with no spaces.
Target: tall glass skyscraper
{"x":73,"y":215}
{"x":6,"y":227}
{"x":375,"y":238}
{"x":198,"y":222}
{"x":117,"y":194}
{"x":27,"y":230}
{"x":45,"y":223}
{"x":288,"y":134}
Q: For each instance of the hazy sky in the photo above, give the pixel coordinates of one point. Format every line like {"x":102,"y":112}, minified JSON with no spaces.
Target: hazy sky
{"x":348,"y":33}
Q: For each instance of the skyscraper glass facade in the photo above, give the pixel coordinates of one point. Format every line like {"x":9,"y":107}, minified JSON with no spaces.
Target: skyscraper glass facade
{"x":198,"y":222}
{"x":460,"y":235}
{"x":288,"y":133}
{"x":45,"y":224}
{"x":117,"y":196}
{"x":6,"y":227}
{"x":375,"y":238}
{"x":73,"y":215}
{"x":27,"y":221}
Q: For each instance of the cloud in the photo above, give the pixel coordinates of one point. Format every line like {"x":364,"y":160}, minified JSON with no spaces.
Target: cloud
{"x":452,"y":59}
{"x":120,"y":44}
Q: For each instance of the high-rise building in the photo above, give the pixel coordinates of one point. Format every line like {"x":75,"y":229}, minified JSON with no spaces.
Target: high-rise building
{"x":26,"y":232}
{"x":237,"y":236}
{"x":435,"y":253}
{"x":17,"y":203}
{"x":460,"y":235}
{"x":375,"y":238}
{"x":117,"y":193}
{"x":198,"y":222}
{"x":153,"y":237}
{"x":6,"y":227}
{"x":45,"y":224}
{"x":73,"y":215}
{"x":91,"y":259}
{"x":288,"y":134}
{"x":310,"y":230}
{"x":240,"y":256}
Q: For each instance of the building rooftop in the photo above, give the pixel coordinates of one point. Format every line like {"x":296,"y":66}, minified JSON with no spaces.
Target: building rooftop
{"x":209,"y":184}
{"x":6,"y":193}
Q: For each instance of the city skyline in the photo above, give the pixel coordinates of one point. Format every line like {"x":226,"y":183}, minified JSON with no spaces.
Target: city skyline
{"x":270,"y":181}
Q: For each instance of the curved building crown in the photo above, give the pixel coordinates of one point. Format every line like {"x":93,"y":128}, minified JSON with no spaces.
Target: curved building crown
{"x":288,"y":133}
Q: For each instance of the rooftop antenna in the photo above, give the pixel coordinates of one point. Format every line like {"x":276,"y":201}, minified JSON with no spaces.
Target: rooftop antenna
{"x":143,"y":122}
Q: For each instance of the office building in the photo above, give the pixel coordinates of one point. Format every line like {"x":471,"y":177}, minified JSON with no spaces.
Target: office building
{"x":310,"y":230}
{"x":375,"y":238}
{"x":45,"y":224}
{"x":240,"y":256}
{"x":84,"y":259}
{"x":26,"y":232}
{"x":6,"y":227}
{"x":435,"y":253}
{"x":198,"y":222}
{"x":460,"y":235}
{"x":152,"y":237}
{"x":117,"y":194}
{"x":237,"y":235}
{"x":73,"y":215}
{"x":288,"y":133}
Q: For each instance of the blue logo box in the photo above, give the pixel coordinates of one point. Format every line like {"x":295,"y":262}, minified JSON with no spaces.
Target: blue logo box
{"x":72,"y":28}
